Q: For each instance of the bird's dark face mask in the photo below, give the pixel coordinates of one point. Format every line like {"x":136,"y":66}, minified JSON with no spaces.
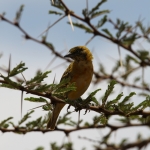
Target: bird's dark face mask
{"x":77,"y":55}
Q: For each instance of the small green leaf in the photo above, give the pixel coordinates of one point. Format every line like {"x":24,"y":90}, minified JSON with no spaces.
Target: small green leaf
{"x":102,"y":22}
{"x":47,"y":107}
{"x":125,"y":107}
{"x":108,"y":91}
{"x":54,"y":12}
{"x":143,"y":54}
{"x":102,"y":69}
{"x":142,"y":28}
{"x":54,"y":146}
{"x":98,"y":13}
{"x":130,"y":58}
{"x":97,"y":7}
{"x":19,"y":12}
{"x":123,"y":141}
{"x":100,"y":119}
{"x":129,"y":40}
{"x":63,"y":87}
{"x":128,"y":97}
{"x":121,"y":28}
{"x":143,"y":94}
{"x":33,"y":99}
{"x":6,"y":126}
{"x":85,"y":12}
{"x":50,"y":45}
{"x":116,"y":67}
{"x":25,"y":117}
{"x":18,"y":69}
{"x":35,"y":123}
{"x":91,"y":98}
{"x":64,"y":119}
{"x":2,"y":123}
{"x":38,"y":78}
{"x":143,"y":104}
{"x":118,"y":21}
{"x":58,"y":5}
{"x":107,"y":32}
{"x":137,"y":79}
{"x":40,"y":148}
{"x":93,"y":93}
{"x":42,"y":88}
{"x":63,"y":83}
{"x":68,"y":146}
{"x":63,"y":91}
{"x":11,"y":84}
{"x":82,"y":26}
{"x":86,"y":124}
{"x":114,"y":101}
{"x":7,"y":86}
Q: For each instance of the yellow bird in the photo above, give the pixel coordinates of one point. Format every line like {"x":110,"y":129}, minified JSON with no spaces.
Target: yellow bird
{"x":80,"y":71}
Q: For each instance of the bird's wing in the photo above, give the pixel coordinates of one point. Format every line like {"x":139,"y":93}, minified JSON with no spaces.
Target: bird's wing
{"x":67,"y":73}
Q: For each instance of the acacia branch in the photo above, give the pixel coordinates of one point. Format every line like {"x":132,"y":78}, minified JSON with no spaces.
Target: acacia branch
{"x":27,"y":36}
{"x":111,"y":77}
{"x":98,"y":33}
{"x":99,"y":109}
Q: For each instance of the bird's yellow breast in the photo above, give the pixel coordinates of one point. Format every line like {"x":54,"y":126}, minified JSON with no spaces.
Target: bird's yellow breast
{"x":81,"y":74}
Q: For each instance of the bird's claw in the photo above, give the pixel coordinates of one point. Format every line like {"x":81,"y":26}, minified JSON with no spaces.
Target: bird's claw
{"x":79,"y":105}
{"x":87,"y":108}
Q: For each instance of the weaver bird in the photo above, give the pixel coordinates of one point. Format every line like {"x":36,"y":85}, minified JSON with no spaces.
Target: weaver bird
{"x":80,"y":72}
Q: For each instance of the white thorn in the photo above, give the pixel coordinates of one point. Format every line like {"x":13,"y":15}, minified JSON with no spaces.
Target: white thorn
{"x":70,"y":22}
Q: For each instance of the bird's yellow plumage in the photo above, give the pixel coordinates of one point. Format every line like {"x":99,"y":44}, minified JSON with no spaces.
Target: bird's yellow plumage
{"x":80,"y":71}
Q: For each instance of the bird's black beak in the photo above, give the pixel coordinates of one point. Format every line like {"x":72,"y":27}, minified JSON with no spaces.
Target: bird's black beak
{"x":68,"y":55}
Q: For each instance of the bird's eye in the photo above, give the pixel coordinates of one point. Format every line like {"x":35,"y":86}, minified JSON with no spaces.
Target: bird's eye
{"x":78,"y":51}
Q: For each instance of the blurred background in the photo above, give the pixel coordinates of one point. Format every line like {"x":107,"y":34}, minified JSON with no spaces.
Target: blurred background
{"x":34,"y":20}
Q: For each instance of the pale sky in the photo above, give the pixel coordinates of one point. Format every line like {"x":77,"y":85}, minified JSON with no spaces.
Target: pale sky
{"x":34,"y":20}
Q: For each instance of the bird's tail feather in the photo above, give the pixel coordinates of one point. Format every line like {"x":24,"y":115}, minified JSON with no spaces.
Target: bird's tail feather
{"x":52,"y":121}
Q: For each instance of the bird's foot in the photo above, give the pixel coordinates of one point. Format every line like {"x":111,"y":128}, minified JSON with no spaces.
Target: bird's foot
{"x":79,"y":104}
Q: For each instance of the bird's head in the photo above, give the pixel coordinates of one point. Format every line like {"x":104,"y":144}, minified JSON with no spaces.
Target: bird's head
{"x":80,"y":53}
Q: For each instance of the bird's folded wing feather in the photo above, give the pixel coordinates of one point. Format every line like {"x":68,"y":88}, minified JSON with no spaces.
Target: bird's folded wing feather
{"x":67,"y":74}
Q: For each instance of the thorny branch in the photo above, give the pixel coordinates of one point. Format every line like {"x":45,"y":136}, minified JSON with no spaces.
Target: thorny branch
{"x":98,"y":76}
